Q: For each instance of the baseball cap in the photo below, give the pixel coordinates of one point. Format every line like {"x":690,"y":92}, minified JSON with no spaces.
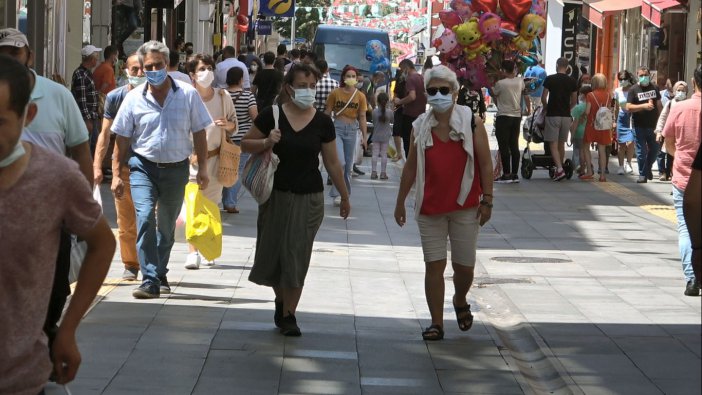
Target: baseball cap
{"x":89,"y":50}
{"x":10,"y":37}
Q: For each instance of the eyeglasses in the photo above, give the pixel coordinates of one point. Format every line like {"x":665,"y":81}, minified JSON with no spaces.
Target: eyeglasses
{"x":445,"y":90}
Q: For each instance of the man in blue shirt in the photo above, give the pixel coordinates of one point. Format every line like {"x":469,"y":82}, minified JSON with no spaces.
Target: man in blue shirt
{"x":160,"y":121}
{"x":534,"y":78}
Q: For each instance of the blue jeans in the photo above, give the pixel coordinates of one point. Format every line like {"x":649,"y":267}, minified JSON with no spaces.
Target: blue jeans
{"x":151,"y":187}
{"x":345,"y":147}
{"x":646,"y":151}
{"x":683,"y":235}
{"x":230,"y":196}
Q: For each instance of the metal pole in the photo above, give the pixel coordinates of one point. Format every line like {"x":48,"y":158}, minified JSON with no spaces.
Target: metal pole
{"x":292,"y":31}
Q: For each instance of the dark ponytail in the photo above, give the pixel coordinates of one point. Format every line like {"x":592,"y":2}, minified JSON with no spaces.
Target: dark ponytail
{"x":383,"y":104}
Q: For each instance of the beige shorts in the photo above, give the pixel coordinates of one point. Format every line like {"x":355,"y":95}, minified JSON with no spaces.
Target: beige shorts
{"x":557,"y":129}
{"x":460,"y":227}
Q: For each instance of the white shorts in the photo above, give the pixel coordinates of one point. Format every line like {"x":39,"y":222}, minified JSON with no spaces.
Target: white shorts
{"x":460,"y":226}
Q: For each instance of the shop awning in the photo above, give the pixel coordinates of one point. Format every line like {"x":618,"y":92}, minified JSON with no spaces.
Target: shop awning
{"x":652,"y":10}
{"x":596,"y":10}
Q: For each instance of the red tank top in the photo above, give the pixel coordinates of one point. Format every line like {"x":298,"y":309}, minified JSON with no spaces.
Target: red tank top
{"x":444,"y":165}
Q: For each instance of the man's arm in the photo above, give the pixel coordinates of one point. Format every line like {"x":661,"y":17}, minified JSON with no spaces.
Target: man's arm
{"x":101,"y":147}
{"x":81,"y":154}
{"x":573,"y":99}
{"x":411,"y":96}
{"x":544,"y":98}
{"x":692,"y":210}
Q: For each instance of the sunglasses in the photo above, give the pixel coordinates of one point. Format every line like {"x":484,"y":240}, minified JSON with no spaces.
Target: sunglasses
{"x":445,"y":90}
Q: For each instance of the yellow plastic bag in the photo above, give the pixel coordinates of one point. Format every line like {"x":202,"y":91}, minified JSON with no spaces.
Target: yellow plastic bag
{"x":203,"y":224}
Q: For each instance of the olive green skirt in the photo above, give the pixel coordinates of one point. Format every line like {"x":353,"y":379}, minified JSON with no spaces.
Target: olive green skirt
{"x":287,"y":226}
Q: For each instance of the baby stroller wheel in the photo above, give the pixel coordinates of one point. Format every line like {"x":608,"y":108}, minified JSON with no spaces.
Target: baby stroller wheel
{"x":527,"y":168}
{"x":568,"y":167}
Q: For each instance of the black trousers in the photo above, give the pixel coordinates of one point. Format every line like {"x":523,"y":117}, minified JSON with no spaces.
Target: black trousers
{"x":406,"y":132}
{"x":61,"y":288}
{"x":507,"y":133}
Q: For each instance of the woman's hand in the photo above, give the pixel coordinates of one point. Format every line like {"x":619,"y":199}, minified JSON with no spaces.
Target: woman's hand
{"x":275,"y":136}
{"x":400,"y":214}
{"x":345,"y":208}
{"x":228,"y":125}
{"x":484,"y":213}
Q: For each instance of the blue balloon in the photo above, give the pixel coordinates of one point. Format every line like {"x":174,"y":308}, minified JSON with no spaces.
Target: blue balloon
{"x":375,"y":53}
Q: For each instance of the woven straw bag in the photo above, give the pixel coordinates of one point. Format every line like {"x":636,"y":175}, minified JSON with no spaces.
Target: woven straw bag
{"x":229,"y":157}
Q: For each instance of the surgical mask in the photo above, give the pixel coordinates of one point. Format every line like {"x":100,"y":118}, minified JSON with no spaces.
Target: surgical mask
{"x":440,"y":102}
{"x":587,"y":85}
{"x":624,"y":83}
{"x":644,"y":80}
{"x":350,"y":82}
{"x":156,"y":77}
{"x":304,"y":98}
{"x":679,"y":96}
{"x":135,"y":80}
{"x":18,"y":151}
{"x":254,"y":67}
{"x":205,"y":78}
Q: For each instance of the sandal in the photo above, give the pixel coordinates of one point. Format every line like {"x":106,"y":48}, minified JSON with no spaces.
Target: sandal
{"x":433,"y":332}
{"x":464,"y":317}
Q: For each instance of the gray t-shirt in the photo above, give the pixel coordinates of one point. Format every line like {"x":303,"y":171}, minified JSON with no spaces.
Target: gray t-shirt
{"x":382,"y":131}
{"x":30,"y":242}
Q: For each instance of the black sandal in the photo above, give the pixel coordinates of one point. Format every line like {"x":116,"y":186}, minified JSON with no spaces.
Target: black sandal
{"x":433,"y":332}
{"x":464,"y":317}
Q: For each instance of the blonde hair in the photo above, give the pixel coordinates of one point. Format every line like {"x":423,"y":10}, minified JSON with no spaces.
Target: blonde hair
{"x":599,"y":81}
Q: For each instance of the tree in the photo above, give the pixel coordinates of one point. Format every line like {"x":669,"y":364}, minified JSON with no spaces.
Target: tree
{"x":307,"y":18}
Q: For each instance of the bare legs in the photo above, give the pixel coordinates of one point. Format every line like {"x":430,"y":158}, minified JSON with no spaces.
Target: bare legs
{"x":290,"y":298}
{"x":434,"y":287}
{"x":557,"y":153}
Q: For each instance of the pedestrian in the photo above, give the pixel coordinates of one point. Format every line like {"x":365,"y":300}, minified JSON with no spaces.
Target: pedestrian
{"x":281,"y":59}
{"x":250,"y":55}
{"x":534,"y":77}
{"x":577,"y":133}
{"x":507,"y":94}
{"x":472,"y":98}
{"x":644,"y":103}
{"x":683,"y":134}
{"x":157,"y":127}
{"x":254,"y":68}
{"x":104,"y":74}
{"x":382,"y":131}
{"x":596,"y":100}
{"x":450,"y":163}
{"x":266,"y":85}
{"x":668,"y":92}
{"x":325,"y":85}
{"x":692,"y":210}
{"x":288,"y":222}
{"x":665,"y":159}
{"x":294,"y":59}
{"x":229,"y":60}
{"x":30,"y":243}
{"x":347,"y":106}
{"x":85,"y":93}
{"x":221,"y":109}
{"x":59,"y":127}
{"x":126,"y":218}
{"x":414,"y":103}
{"x":173,"y":68}
{"x":559,"y":97}
{"x":398,"y":92}
{"x":625,"y":131}
{"x":246,"y":112}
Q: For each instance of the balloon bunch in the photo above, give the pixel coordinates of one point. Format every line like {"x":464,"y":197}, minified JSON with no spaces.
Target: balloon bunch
{"x":479,"y":34}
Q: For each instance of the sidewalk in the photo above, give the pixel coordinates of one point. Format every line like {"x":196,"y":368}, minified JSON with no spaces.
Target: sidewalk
{"x":594,"y":280}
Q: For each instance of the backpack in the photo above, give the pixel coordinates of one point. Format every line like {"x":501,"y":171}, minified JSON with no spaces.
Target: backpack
{"x":604,"y":117}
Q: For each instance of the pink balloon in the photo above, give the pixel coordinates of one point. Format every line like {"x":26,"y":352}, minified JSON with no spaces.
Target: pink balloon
{"x":449,"y":18}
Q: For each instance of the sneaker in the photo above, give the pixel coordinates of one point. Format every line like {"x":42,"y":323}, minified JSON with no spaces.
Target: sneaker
{"x":358,"y":171}
{"x":641,"y":180}
{"x":628,"y":168}
{"x":130,"y":274}
{"x":165,"y":288}
{"x":192,"y":262}
{"x":147,"y":290}
{"x":337,"y":201}
{"x":205,"y":262}
{"x":515,"y":179}
{"x":504,"y":179}
{"x":383,"y":176}
{"x":374,"y":176}
{"x":288,"y":326}
{"x":559,"y":175}
{"x":692,"y":288}
{"x":620,"y":171}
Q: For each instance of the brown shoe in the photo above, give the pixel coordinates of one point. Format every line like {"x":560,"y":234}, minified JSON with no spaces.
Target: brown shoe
{"x":231,"y":210}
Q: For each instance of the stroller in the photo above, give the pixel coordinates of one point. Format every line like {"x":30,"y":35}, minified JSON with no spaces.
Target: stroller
{"x":533,"y":132}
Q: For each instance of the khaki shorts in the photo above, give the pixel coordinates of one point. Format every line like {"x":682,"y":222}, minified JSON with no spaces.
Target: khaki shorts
{"x":460,"y":226}
{"x":557,"y":129}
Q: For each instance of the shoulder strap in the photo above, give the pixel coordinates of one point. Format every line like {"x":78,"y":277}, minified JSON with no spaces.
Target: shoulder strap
{"x":336,"y":114}
{"x":276,"y":115}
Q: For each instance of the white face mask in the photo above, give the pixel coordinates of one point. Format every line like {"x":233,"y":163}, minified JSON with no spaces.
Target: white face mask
{"x":205,"y":78}
{"x":679,"y":96}
{"x":18,"y":151}
{"x":304,"y":97}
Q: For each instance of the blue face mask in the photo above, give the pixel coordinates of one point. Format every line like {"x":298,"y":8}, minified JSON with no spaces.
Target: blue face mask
{"x":644,"y":80}
{"x":439,"y":102}
{"x":156,"y":77}
{"x":304,"y":98}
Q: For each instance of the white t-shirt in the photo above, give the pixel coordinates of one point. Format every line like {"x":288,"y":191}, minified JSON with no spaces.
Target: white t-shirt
{"x":508,"y":96}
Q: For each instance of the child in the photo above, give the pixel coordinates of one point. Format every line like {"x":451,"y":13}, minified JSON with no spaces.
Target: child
{"x":382,"y":132}
{"x":577,"y":131}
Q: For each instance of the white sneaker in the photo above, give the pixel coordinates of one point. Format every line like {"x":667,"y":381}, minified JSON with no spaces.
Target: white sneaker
{"x":205,"y":262}
{"x":337,"y":201}
{"x":628,"y":168}
{"x":192,"y":262}
{"x":620,"y":171}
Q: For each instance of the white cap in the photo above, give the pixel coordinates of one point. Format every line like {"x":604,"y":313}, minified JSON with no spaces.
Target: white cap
{"x":89,"y":50}
{"x":13,"y":38}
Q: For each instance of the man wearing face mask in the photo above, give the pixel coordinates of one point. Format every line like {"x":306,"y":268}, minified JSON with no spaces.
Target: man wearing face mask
{"x":644,"y":103}
{"x":126,"y":219}
{"x":414,"y":103}
{"x":85,"y":93}
{"x":157,"y":121}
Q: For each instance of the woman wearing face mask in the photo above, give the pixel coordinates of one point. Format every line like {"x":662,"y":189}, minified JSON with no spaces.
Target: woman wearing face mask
{"x":348,"y":107}
{"x":289,"y":220}
{"x":625,"y":131}
{"x":221,"y":109}
{"x":665,"y":160}
{"x":449,"y":160}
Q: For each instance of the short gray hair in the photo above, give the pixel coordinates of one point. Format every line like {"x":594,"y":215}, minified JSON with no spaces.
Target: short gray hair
{"x":153,"y":46}
{"x":441,"y":72}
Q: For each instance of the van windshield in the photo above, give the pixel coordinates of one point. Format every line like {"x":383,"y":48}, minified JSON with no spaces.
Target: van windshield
{"x":339,"y":55}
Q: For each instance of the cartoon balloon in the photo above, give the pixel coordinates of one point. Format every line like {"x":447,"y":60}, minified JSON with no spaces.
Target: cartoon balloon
{"x":447,"y":44}
{"x":375,"y":53}
{"x":449,"y":18}
{"x":490,"y":27}
{"x":532,"y":25}
{"x":462,"y":7}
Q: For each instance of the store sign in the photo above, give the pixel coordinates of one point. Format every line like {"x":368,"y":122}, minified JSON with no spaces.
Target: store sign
{"x":569,"y":49}
{"x":264,"y":28}
{"x":279,"y":8}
